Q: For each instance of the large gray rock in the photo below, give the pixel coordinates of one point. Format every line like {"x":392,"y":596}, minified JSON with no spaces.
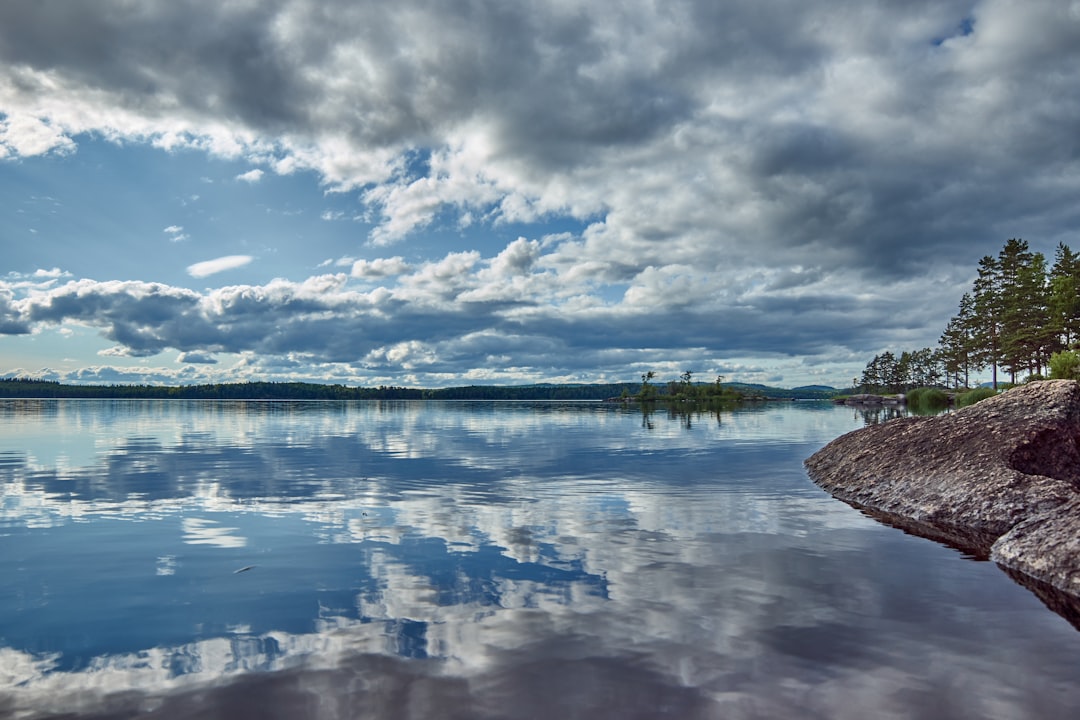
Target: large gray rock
{"x":1000,"y":478}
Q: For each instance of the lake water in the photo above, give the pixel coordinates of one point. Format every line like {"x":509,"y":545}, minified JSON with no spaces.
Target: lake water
{"x":483,"y":560}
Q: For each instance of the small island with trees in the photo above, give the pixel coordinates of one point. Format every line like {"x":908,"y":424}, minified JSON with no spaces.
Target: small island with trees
{"x":685,"y":391}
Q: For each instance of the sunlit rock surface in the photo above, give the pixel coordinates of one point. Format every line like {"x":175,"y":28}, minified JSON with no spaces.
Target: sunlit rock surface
{"x":1000,"y":478}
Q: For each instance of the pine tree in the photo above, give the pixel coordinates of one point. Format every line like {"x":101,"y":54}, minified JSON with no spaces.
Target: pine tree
{"x":1038,"y":335}
{"x":986,"y":320}
{"x":880,"y":373}
{"x":1023,"y":307}
{"x":958,"y":342}
{"x":1064,"y":300}
{"x":924,"y":368}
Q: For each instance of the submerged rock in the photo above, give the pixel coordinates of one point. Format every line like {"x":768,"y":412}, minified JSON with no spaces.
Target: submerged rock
{"x":998,"y":479}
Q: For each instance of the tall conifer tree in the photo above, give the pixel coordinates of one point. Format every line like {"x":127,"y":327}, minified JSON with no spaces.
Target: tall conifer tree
{"x":1064,"y":300}
{"x":1022,"y":304}
{"x":957,"y":342}
{"x":986,"y":322}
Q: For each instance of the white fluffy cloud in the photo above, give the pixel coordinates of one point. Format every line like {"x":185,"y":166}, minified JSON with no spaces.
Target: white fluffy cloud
{"x":511,"y":315}
{"x":221,"y":264}
{"x":26,"y":136}
{"x":380,"y":267}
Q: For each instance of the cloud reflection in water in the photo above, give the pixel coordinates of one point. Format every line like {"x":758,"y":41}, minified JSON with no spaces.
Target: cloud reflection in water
{"x":479,"y":560}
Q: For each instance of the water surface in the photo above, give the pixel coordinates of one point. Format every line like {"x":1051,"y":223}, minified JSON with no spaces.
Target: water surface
{"x":483,"y":560}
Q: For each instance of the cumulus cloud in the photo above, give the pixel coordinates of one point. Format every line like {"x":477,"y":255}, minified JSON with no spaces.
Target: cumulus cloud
{"x":251,"y":176}
{"x":505,"y":318}
{"x":211,"y":267}
{"x":52,"y":273}
{"x":517,"y":259}
{"x":26,"y":136}
{"x":380,"y":267}
{"x":11,"y":318}
{"x":750,"y":126}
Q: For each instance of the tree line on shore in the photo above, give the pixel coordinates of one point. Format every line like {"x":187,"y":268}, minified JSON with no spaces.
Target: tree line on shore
{"x":1020,"y":318}
{"x":682,"y":390}
{"x":31,"y":388}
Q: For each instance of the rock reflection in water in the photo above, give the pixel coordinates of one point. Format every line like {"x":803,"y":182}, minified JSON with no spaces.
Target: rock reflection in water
{"x":483,"y":561}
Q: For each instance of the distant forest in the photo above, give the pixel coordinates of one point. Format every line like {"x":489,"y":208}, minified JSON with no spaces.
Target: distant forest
{"x":31,"y":388}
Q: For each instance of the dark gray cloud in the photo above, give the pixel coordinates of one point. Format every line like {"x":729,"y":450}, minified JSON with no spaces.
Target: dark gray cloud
{"x":196,"y":358}
{"x":11,"y":323}
{"x":855,"y":128}
{"x":211,"y":58}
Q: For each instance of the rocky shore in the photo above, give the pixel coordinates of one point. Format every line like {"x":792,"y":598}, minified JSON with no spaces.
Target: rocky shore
{"x":998,"y":479}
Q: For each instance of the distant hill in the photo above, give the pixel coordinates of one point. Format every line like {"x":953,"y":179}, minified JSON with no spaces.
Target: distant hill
{"x":806,"y":392}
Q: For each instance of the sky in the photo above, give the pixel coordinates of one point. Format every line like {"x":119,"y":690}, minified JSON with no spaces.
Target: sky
{"x":460,"y":192}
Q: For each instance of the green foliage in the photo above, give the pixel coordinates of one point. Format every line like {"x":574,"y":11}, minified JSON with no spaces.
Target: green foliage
{"x":974,"y":396}
{"x":957,"y":343}
{"x":1064,"y":301}
{"x":1065,"y":365}
{"x":1025,"y":314}
{"x":927,"y":398}
{"x":648,"y":391}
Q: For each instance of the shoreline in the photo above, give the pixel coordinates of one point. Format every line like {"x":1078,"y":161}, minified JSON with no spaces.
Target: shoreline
{"x":999,"y":479}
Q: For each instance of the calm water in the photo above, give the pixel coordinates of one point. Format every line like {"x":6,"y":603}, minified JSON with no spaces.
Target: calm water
{"x":483,"y":560}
